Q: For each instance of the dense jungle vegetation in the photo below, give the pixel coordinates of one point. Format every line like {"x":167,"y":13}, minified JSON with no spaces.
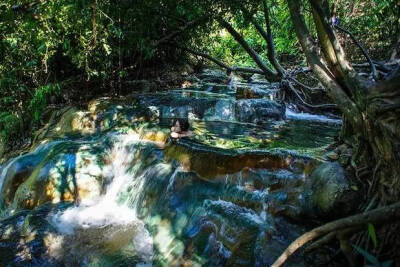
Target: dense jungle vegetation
{"x":48,"y":48}
{"x":57,"y":52}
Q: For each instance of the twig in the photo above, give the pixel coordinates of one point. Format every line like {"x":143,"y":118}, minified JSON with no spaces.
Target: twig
{"x":375,"y":216}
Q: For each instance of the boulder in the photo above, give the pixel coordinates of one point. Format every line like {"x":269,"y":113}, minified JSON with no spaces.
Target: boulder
{"x":62,"y":173}
{"x":258,"y":110}
{"x":328,"y":193}
{"x":213,"y":76}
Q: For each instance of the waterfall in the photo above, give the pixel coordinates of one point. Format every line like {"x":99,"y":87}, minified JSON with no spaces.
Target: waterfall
{"x":106,"y":211}
{"x":310,"y":117}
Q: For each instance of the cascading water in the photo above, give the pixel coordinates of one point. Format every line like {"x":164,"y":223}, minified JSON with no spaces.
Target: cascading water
{"x":115,"y":197}
{"x":311,"y":117}
{"x":107,"y":210}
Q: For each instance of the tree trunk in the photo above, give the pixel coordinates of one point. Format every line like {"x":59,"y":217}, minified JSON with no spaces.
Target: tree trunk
{"x":371,"y":110}
{"x":266,"y":35}
{"x":270,"y":42}
{"x":396,"y":47}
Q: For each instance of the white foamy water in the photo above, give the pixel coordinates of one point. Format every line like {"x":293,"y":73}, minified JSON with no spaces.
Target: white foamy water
{"x":106,"y":212}
{"x":310,"y":117}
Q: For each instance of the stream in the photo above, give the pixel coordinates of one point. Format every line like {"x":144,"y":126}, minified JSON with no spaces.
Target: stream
{"x":107,"y":187}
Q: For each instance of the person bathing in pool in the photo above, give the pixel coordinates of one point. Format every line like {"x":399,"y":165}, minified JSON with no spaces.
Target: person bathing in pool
{"x":180,"y":128}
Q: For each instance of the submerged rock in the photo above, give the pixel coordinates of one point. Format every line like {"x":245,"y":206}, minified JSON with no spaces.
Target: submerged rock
{"x":259,"y":79}
{"x":328,"y":193}
{"x":258,"y":110}
{"x":211,"y":162}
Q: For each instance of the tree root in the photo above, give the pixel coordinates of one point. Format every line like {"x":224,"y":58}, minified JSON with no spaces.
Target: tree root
{"x":291,"y":87}
{"x":379,"y":215}
{"x":320,"y":242}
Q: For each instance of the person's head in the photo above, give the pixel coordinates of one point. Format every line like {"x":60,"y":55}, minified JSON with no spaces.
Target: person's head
{"x":180,"y":125}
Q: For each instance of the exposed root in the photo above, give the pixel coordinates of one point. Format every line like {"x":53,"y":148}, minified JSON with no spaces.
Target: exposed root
{"x":291,"y":87}
{"x":379,"y":215}
{"x":320,"y":242}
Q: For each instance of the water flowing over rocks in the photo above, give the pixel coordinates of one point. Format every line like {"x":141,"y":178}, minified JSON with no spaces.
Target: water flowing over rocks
{"x":107,"y":185}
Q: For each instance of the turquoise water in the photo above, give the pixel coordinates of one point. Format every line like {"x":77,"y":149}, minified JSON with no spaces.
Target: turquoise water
{"x":119,"y":195}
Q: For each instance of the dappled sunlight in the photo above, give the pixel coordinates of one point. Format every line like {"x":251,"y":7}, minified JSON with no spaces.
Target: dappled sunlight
{"x":127,"y":192}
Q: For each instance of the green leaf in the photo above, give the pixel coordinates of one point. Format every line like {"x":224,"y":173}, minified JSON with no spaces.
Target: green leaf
{"x":372,"y":234}
{"x":42,"y":48}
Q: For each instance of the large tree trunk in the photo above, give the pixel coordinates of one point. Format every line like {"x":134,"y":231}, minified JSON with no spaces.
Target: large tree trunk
{"x":371,"y":110}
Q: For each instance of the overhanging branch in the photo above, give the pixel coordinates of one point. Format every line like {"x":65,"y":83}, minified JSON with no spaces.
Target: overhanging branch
{"x":359,"y":45}
{"x":269,"y":74}
{"x":173,"y":34}
{"x":266,"y":35}
{"x":219,"y":62}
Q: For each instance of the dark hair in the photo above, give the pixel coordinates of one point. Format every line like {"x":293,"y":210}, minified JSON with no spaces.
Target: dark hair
{"x":183,"y":122}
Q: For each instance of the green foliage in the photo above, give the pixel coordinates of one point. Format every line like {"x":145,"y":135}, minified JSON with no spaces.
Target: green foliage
{"x":375,"y":23}
{"x":222,"y":45}
{"x":372,"y":233}
{"x":45,"y":43}
{"x":9,"y":126}
{"x":39,"y":101}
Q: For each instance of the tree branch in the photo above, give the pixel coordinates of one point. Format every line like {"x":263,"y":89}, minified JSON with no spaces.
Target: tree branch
{"x":365,"y":53}
{"x":266,"y":35}
{"x":379,"y":215}
{"x":204,"y":55}
{"x":344,"y":74}
{"x":220,"y":63}
{"x":269,"y":74}
{"x":173,"y":34}
{"x":270,"y":41}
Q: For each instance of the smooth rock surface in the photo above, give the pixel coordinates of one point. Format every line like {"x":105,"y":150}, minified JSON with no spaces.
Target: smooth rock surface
{"x":328,"y":193}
